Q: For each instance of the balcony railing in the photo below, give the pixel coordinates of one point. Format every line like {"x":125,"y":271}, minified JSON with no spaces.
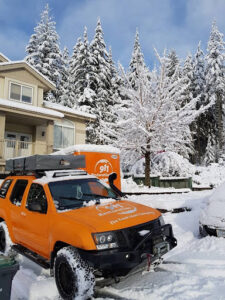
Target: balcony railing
{"x":13,"y":148}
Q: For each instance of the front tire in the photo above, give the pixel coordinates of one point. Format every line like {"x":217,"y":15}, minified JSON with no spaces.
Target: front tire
{"x":74,"y":277}
{"x":5,"y":240}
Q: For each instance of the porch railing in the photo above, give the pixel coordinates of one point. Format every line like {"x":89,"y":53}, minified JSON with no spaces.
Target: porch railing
{"x":13,"y":148}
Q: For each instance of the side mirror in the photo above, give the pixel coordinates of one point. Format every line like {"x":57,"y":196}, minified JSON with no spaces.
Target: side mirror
{"x":35,"y":207}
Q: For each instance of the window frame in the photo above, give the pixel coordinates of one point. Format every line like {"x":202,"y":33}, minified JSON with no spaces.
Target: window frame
{"x":7,"y":189}
{"x":62,"y":124}
{"x":26,"y":205}
{"x":18,"y":203}
{"x":21,"y":94}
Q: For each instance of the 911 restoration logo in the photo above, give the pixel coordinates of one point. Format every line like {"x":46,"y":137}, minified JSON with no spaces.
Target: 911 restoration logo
{"x":103,"y":168}
{"x":126,"y":211}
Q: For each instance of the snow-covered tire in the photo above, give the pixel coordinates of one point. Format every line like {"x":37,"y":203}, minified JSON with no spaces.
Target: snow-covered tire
{"x":74,"y":277}
{"x":5,"y":240}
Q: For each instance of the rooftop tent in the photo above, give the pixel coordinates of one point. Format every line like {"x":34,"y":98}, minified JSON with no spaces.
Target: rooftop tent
{"x":45,"y":163}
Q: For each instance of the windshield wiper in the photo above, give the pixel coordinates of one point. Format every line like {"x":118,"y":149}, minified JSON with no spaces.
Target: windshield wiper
{"x":97,"y":195}
{"x":71,"y":198}
{"x":68,"y":207}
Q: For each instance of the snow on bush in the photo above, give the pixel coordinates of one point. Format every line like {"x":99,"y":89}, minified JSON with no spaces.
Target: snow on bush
{"x":166,"y":164}
{"x":171,"y":164}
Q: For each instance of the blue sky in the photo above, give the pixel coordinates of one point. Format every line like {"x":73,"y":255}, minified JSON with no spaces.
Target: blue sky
{"x":178,"y":24}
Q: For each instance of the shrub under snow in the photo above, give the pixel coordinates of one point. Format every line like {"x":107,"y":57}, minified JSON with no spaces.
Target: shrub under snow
{"x":171,"y":164}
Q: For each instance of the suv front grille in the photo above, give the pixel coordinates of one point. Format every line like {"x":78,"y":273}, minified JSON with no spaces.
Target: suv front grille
{"x":134,"y":235}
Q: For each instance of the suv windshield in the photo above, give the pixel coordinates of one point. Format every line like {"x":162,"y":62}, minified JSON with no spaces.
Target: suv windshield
{"x":69,"y":194}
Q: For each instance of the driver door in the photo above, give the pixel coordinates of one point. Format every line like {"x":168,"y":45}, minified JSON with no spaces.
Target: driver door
{"x":35,"y":214}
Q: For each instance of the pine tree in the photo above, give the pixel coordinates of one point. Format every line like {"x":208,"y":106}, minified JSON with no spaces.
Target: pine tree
{"x":43,"y":50}
{"x":172,"y":63}
{"x":209,"y":156}
{"x":100,"y":85}
{"x":215,"y":85}
{"x":200,"y":126}
{"x":83,"y":74}
{"x":187,"y":80}
{"x":110,"y":127}
{"x":65,"y":87}
{"x":137,"y":61}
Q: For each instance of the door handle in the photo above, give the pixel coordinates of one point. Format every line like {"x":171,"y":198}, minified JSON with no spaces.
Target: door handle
{"x":23,"y":214}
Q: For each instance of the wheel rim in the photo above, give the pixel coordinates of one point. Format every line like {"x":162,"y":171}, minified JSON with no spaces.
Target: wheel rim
{"x":67,"y":279}
{"x":2,"y":240}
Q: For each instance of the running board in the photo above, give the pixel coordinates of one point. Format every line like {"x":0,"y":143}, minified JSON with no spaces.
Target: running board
{"x":44,"y":263}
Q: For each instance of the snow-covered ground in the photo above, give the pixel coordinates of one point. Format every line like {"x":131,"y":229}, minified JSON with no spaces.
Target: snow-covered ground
{"x":195,"y":269}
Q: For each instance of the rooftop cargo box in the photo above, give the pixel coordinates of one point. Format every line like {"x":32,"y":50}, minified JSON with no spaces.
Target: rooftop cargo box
{"x":45,"y":162}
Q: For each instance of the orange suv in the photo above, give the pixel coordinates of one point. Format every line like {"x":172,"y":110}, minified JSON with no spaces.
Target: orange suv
{"x":74,"y":224}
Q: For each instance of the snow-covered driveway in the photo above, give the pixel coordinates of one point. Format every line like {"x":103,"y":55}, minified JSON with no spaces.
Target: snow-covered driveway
{"x":195,"y":269}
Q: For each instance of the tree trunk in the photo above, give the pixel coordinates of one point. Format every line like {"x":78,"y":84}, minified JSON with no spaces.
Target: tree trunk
{"x":147,"y":167}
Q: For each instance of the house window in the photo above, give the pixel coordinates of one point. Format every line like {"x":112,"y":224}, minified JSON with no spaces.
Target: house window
{"x":20,"y":93}
{"x":64,"y":133}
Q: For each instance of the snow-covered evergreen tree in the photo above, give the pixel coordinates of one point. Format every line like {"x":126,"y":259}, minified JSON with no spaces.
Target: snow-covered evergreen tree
{"x":215,"y":85}
{"x":172,"y":63}
{"x":65,"y":89}
{"x":43,"y":50}
{"x":200,"y":126}
{"x":83,"y":74}
{"x":187,"y":79}
{"x":209,"y":156}
{"x":137,"y":61}
{"x":101,"y":85}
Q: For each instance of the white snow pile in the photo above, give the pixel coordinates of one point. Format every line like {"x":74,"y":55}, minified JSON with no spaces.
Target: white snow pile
{"x":214,"y":212}
{"x":171,"y":164}
{"x":212,"y":175}
{"x":129,"y":186}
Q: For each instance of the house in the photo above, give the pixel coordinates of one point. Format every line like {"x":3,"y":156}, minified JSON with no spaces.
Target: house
{"x":28,"y":124}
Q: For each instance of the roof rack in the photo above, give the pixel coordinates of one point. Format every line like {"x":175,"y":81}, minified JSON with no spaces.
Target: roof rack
{"x":41,"y":163}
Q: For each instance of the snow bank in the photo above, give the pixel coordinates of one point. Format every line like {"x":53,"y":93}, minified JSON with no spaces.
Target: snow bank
{"x":212,"y":175}
{"x":129,"y":186}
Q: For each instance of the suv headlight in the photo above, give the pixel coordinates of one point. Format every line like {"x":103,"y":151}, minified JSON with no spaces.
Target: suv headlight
{"x":105,"y":240}
{"x":161,"y":221}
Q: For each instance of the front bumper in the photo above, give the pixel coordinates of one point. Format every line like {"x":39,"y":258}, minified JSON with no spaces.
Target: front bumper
{"x":205,"y":230}
{"x":121,"y":261}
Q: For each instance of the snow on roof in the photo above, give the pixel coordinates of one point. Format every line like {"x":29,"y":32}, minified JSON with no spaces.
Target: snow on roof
{"x":25,"y":62}
{"x":47,"y":179}
{"x":88,"y":148}
{"x":68,"y":110}
{"x":30,"y":108}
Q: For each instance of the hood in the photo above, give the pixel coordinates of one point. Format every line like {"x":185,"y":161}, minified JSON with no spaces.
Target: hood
{"x":113,"y":216}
